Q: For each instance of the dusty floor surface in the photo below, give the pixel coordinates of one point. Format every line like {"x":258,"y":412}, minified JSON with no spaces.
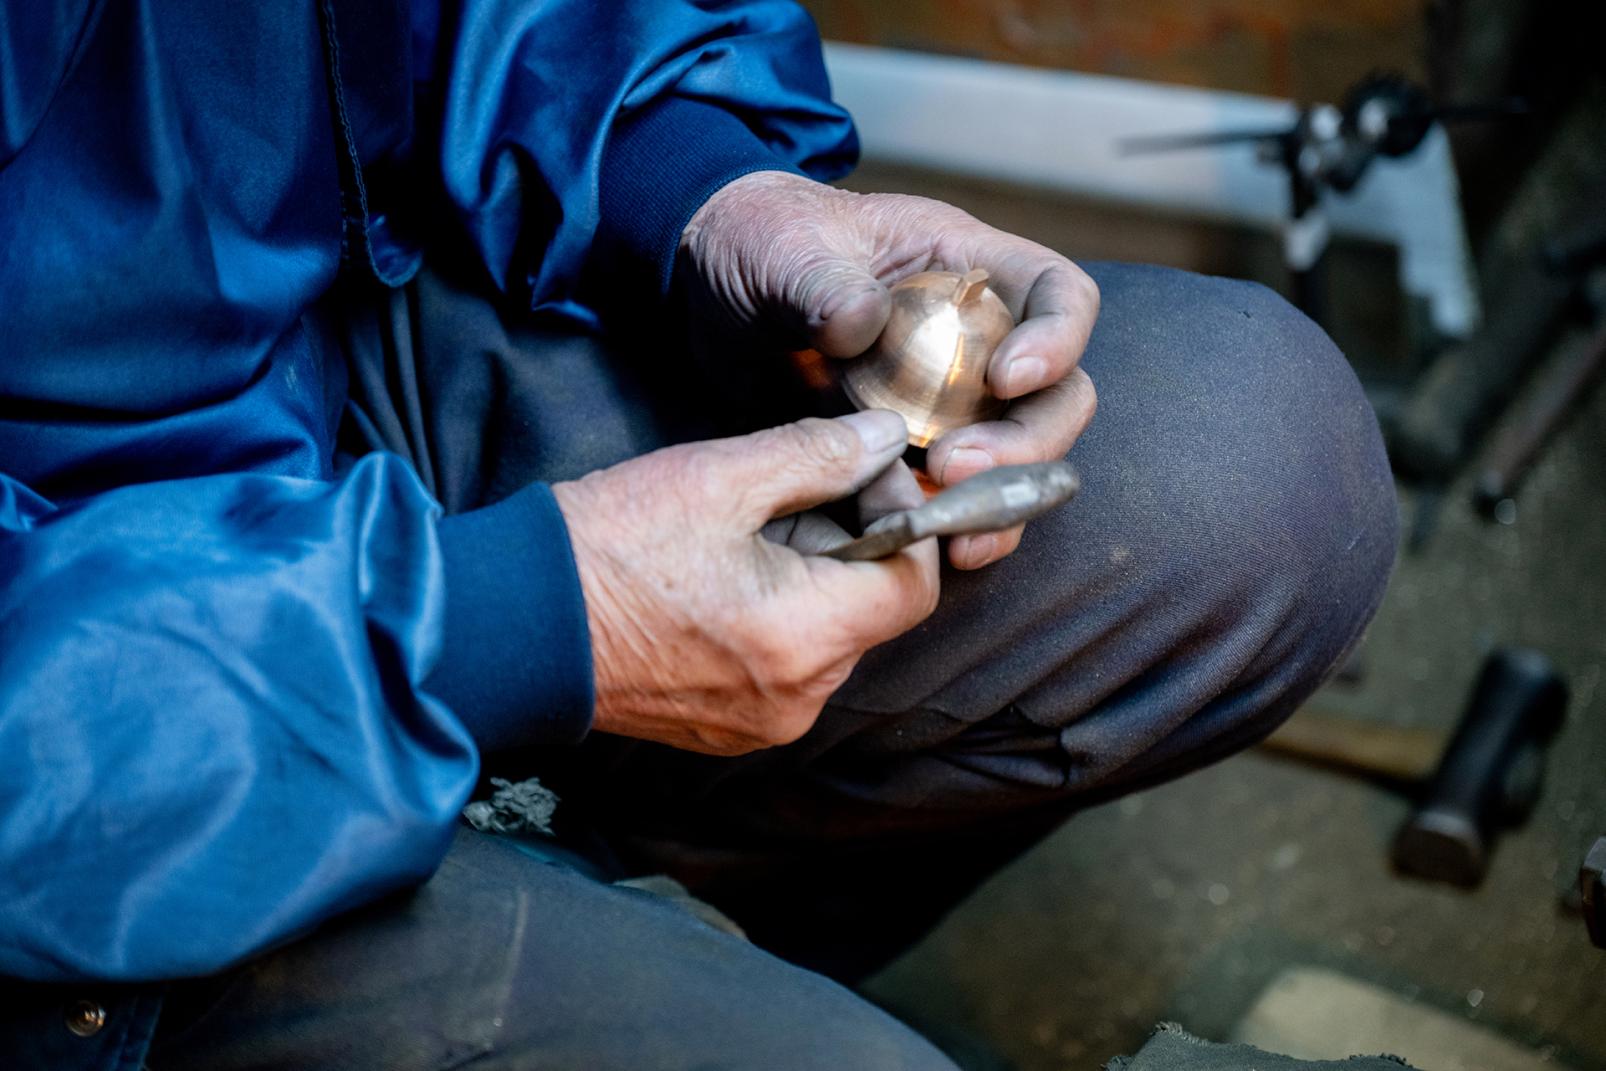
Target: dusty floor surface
{"x":1184,"y":902}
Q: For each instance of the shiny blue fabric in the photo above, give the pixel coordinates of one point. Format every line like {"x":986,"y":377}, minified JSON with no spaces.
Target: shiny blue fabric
{"x":212,"y":724}
{"x":525,"y":70}
{"x":217,"y":726}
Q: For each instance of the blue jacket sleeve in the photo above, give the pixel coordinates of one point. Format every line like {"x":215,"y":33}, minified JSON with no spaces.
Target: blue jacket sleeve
{"x":578,"y":138}
{"x":216,"y":723}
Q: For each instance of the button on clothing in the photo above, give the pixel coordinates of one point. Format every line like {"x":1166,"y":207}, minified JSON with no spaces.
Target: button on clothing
{"x":85,"y":1018}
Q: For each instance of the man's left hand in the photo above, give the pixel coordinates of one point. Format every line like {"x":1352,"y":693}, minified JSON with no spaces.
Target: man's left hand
{"x":799,"y":263}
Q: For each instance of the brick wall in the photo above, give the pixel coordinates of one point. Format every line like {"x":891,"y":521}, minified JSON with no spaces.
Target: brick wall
{"x":1305,"y":49}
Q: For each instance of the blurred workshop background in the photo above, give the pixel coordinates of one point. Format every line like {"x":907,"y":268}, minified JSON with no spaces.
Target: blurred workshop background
{"x":1374,"y":881}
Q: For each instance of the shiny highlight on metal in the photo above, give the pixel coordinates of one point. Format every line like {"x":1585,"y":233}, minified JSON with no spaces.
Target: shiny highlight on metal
{"x":930,"y":364}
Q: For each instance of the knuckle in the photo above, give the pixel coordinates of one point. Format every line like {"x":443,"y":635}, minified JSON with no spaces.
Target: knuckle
{"x":716,"y":479}
{"x":1078,"y":286}
{"x":929,"y":592}
{"x":725,"y":743}
{"x":1086,"y":394}
{"x":695,"y":483}
{"x":917,"y":593}
{"x":780,"y":661}
{"x":913,"y":210}
{"x":793,"y":719}
{"x":823,"y":444}
{"x":1087,"y":289}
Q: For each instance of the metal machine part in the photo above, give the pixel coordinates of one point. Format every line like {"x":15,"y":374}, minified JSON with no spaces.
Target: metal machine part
{"x":1019,"y":113}
{"x":1328,"y":148}
{"x":1561,"y":382}
{"x":930,"y":364}
{"x":986,"y":502}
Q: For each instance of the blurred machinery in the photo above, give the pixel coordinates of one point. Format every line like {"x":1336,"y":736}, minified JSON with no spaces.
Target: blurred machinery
{"x":1328,"y":149}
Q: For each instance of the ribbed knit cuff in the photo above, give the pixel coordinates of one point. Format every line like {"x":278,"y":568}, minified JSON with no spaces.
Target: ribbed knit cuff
{"x":661,"y":165}
{"x":515,"y":663}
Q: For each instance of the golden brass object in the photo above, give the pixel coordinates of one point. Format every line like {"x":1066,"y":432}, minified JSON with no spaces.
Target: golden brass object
{"x":930,"y":364}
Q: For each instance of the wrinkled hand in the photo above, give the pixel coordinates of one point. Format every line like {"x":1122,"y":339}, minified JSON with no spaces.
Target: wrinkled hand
{"x":705,"y":634}
{"x":799,"y":263}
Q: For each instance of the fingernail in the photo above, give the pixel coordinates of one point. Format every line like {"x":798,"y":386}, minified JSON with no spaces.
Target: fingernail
{"x":1024,"y":375}
{"x":963,"y":462}
{"x":878,"y":429}
{"x":844,"y":297}
{"x":980,"y":550}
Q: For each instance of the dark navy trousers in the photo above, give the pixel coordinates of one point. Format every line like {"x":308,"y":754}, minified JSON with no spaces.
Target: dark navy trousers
{"x":1234,"y":534}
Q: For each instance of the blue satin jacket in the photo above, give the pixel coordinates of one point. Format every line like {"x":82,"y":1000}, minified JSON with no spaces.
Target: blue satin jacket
{"x":223,"y":714}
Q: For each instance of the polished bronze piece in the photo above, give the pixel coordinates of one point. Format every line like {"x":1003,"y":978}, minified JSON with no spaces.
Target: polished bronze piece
{"x":930,"y":364}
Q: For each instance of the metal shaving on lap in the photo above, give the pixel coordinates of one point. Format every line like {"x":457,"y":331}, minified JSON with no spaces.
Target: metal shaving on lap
{"x":526,"y":807}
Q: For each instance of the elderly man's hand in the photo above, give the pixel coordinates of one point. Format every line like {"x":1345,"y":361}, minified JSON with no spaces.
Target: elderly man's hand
{"x":800,"y":264}
{"x":707,"y":635}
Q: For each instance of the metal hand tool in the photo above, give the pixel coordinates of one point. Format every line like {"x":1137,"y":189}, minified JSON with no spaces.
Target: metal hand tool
{"x":1491,"y":773}
{"x":1468,"y":785}
{"x":986,"y":502}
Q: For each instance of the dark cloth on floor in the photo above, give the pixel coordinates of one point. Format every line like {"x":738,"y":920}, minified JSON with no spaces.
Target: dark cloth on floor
{"x":1174,"y":1049}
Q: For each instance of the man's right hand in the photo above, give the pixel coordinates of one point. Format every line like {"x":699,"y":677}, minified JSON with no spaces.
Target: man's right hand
{"x":705,"y":634}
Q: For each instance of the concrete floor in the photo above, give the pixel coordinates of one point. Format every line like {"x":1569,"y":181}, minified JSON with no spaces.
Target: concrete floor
{"x":1184,"y":902}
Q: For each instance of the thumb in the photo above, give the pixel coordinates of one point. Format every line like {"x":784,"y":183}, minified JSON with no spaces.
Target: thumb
{"x":797,"y":466}
{"x":845,"y":307}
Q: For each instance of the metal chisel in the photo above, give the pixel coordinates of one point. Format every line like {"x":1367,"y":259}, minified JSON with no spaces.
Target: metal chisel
{"x":986,"y":502}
